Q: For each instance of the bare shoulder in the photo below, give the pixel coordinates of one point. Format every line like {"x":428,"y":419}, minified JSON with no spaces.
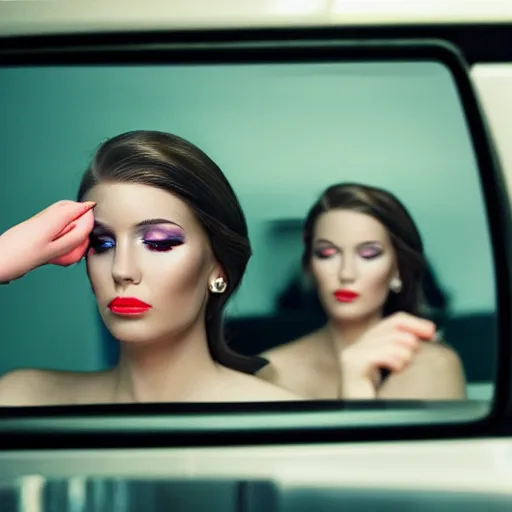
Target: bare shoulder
{"x":439,"y":356}
{"x":27,"y":387}
{"x":302,"y":367}
{"x":436,"y":373}
{"x":33,"y":387}
{"x":260,"y":390}
{"x":287,"y":357}
{"x":240,"y":387}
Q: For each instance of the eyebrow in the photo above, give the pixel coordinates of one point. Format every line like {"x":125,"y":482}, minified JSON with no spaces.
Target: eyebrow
{"x":147,"y":222}
{"x":321,"y":241}
{"x":371,"y":242}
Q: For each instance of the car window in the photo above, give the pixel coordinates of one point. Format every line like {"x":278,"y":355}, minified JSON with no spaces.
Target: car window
{"x":282,"y":134}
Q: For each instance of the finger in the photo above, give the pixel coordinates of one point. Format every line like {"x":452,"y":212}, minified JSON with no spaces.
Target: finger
{"x":59,"y":205}
{"x":58,"y":217}
{"x":72,"y":257}
{"x":66,"y":230}
{"x":390,"y":363}
{"x":400,"y":352}
{"x":405,"y":339}
{"x":75,"y":238}
{"x":85,"y":222}
{"x":398,"y":357}
{"x":89,"y":206}
{"x":73,"y":224}
{"x":424,"y":329}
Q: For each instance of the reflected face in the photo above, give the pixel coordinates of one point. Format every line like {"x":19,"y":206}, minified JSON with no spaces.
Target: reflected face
{"x":353,"y":262}
{"x":149,"y":262}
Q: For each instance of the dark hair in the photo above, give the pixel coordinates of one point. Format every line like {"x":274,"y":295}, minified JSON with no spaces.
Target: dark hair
{"x":404,"y":235}
{"x":171,"y":163}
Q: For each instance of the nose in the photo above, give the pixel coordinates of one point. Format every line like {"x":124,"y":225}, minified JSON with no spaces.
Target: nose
{"x":125,"y":269}
{"x":347,"y":270}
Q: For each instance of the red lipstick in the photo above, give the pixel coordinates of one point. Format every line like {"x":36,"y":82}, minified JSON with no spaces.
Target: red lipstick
{"x":345,"y":295}
{"x":128,"y":306}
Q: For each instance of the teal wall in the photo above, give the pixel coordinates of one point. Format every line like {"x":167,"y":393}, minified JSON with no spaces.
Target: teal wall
{"x":281,"y":134}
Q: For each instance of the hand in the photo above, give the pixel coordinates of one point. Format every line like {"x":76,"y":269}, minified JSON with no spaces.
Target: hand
{"x":391,"y":344}
{"x":59,"y":235}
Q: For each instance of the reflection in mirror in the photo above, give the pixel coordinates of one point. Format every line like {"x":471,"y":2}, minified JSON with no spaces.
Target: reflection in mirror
{"x":365,"y":256}
{"x":387,"y":291}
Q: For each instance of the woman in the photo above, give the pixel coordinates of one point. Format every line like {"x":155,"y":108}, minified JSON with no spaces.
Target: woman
{"x":165,"y":249}
{"x":365,"y":256}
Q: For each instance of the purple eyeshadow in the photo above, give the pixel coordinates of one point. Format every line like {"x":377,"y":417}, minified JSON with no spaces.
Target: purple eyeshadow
{"x":371,"y":252}
{"x":162,"y":235}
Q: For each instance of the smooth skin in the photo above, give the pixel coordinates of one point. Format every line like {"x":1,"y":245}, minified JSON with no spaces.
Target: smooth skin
{"x":422,"y":369}
{"x":353,"y":251}
{"x":164,"y":356}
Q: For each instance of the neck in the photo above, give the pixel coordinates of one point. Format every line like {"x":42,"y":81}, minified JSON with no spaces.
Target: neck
{"x":168,"y":370}
{"x":346,"y":333}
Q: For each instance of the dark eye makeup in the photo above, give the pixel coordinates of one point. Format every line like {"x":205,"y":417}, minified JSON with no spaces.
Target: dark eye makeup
{"x":155,"y":239}
{"x":162,"y":240}
{"x":99,"y":244}
{"x":100,"y":240}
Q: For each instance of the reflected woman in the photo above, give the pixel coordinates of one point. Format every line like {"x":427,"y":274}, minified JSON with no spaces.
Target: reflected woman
{"x":365,"y":256}
{"x":165,"y":248}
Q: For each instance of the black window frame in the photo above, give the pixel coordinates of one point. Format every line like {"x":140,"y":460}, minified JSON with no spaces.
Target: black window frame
{"x":153,"y":425}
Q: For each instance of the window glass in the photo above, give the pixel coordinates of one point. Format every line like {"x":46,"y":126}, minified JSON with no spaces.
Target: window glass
{"x":282,"y":134}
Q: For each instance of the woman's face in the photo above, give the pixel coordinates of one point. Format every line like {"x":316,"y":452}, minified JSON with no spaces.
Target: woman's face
{"x":147,"y":246}
{"x":353,"y":263}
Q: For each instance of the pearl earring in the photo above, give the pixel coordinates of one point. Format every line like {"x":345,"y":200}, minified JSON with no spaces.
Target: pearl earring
{"x":395,"y":285}
{"x":218,"y":285}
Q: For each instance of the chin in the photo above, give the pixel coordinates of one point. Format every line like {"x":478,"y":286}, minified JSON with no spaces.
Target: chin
{"x":348,"y":317}
{"x":348,"y":313}
{"x":129,"y":334}
{"x":127,"y":329}
{"x":352,"y":313}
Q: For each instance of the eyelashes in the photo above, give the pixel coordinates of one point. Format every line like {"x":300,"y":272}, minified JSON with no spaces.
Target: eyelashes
{"x":163,"y":245}
{"x":371,"y":254}
{"x":100,"y":244}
